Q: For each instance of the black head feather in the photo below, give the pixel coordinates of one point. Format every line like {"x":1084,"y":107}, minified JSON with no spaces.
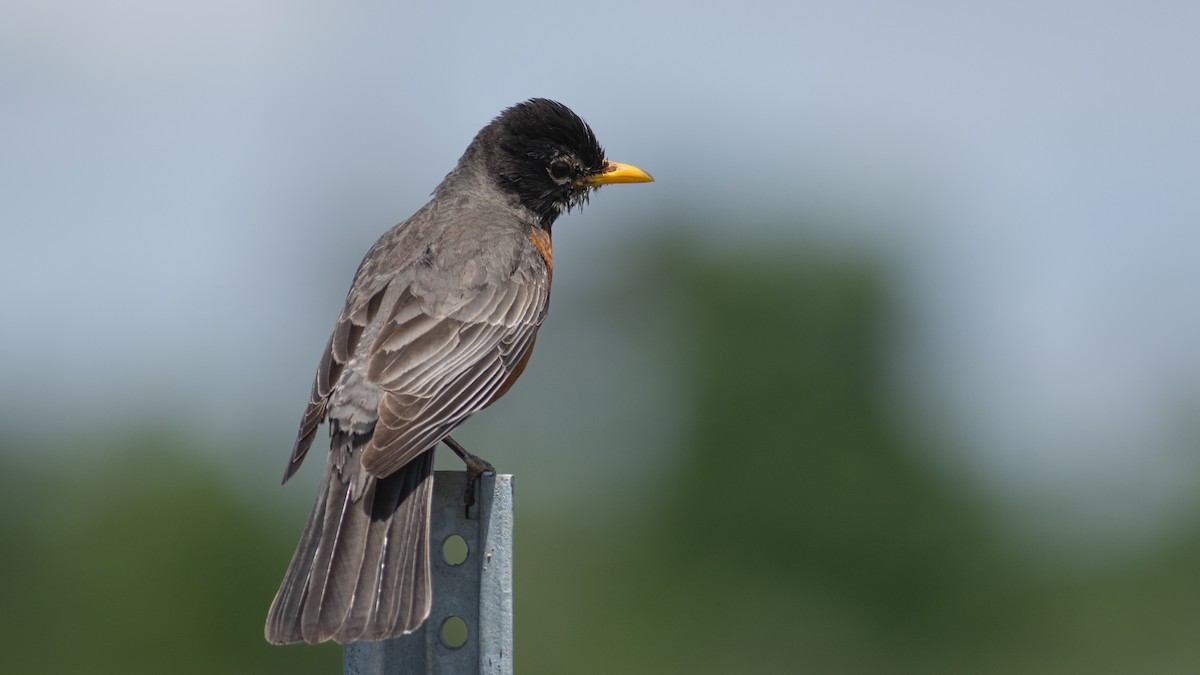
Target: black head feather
{"x":541,"y":152}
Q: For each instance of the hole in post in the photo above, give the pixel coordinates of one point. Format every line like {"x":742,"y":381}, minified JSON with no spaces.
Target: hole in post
{"x":454,"y":632}
{"x":454,"y":550}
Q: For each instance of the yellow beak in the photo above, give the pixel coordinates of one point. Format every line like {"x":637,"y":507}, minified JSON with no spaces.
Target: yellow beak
{"x":615,"y":172}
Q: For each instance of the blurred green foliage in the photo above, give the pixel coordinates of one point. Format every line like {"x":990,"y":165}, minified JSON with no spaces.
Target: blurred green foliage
{"x":142,"y":561}
{"x":796,"y":534}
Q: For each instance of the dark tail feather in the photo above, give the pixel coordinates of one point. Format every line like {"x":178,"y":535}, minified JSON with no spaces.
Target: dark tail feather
{"x":361,"y":570}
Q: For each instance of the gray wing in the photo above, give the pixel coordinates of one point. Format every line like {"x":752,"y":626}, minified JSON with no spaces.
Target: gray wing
{"x":429,"y":361}
{"x":436,"y":371}
{"x":361,"y":310}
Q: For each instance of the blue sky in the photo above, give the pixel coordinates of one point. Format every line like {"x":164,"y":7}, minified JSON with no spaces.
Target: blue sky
{"x":188,"y":187}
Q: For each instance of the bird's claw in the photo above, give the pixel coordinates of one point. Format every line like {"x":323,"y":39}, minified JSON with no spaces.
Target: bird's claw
{"x":476,"y":467}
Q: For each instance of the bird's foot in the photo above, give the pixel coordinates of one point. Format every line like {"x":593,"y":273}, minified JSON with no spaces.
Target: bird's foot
{"x":476,"y":467}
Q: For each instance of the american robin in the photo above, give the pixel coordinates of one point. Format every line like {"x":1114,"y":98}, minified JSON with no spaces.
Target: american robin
{"x":439,"y":323}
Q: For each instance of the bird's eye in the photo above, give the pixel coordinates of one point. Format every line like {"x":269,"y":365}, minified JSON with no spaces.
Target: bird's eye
{"x":560,"y":169}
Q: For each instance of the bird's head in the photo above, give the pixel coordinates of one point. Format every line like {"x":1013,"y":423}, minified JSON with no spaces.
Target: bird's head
{"x":548,"y":158}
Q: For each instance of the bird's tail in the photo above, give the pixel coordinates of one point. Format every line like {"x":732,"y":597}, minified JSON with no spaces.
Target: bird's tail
{"x":361,"y":570}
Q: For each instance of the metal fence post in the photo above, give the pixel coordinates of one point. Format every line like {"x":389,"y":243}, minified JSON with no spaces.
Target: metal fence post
{"x":478,"y":590}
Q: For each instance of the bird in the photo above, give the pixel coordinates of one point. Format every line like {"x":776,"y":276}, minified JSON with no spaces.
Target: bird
{"x":439,"y":322}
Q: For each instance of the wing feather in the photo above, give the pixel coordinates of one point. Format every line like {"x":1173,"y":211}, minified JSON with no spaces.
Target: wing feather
{"x":341,"y":347}
{"x":437,"y":371}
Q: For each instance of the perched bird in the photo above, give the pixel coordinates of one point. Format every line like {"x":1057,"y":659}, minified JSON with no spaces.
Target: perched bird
{"x":439,"y":322}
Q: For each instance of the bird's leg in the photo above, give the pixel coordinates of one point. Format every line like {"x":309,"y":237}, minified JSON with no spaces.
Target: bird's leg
{"x":476,"y":467}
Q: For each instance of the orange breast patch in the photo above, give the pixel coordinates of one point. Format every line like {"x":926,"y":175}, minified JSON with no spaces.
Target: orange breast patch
{"x":541,"y":240}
